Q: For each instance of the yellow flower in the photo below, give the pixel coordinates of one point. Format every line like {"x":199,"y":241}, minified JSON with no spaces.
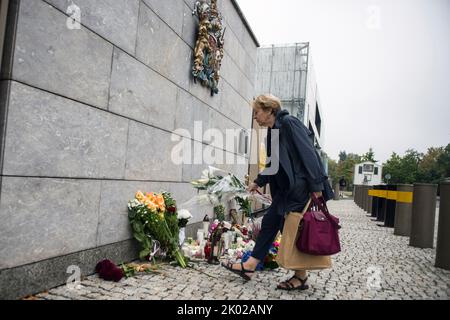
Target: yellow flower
{"x":140,"y":196}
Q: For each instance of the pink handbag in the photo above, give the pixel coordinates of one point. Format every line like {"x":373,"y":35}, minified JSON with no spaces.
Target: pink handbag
{"x":319,"y":230}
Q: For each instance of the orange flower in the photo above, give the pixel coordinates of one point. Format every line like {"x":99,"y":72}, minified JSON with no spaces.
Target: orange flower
{"x":150,"y":204}
{"x":159,"y":201}
{"x":150,"y":196}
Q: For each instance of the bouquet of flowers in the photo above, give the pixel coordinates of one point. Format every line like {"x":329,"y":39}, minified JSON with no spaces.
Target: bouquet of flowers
{"x":221,"y":187}
{"x":246,"y":255}
{"x":269,"y":260}
{"x":153,"y":217}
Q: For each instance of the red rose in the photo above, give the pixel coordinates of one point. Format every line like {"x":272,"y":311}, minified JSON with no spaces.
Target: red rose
{"x":107,"y":270}
{"x":172,"y":209}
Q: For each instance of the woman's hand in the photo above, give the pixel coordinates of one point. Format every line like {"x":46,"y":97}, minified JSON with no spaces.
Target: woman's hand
{"x":252,"y":187}
{"x":318,"y":194}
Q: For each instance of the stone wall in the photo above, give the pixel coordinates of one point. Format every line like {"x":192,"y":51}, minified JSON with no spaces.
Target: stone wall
{"x":86,"y":120}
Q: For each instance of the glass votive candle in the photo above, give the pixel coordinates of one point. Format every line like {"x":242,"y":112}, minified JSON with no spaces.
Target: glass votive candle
{"x":200,"y":236}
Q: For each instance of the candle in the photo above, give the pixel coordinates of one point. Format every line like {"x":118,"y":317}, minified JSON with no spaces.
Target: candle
{"x":205,"y":226}
{"x":200,"y":236}
{"x":232,"y":236}
{"x":186,"y":251}
{"x":227,"y":240}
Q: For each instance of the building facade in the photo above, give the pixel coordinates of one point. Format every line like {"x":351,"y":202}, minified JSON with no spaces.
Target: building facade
{"x":92,"y":95}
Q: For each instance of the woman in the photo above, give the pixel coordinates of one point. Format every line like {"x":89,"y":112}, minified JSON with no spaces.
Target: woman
{"x":297,"y":171}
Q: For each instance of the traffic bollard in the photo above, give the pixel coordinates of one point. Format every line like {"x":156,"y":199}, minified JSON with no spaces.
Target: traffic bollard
{"x":403,"y":210}
{"x":443,"y":240}
{"x":369,"y":202}
{"x":366,"y":198}
{"x":381,"y":212}
{"x":389,"y":219}
{"x":423,"y":215}
{"x":375,"y":202}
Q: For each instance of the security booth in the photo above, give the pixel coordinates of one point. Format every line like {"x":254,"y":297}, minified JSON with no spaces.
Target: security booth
{"x":367,"y":173}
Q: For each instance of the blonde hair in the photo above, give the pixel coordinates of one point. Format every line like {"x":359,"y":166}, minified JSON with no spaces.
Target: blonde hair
{"x":267,"y":102}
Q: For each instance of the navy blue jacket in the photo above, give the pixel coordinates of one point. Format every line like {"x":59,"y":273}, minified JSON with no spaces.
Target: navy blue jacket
{"x":300,"y":168}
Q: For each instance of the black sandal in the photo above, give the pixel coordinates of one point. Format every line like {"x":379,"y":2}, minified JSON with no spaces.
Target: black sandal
{"x":242,"y":272}
{"x":288,"y":286}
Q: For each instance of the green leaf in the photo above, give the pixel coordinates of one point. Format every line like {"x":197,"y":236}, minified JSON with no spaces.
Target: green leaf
{"x":144,"y":253}
{"x":128,"y":271}
{"x":139,"y":237}
{"x":146,"y":242}
{"x":137,"y":227}
{"x":131,"y":214}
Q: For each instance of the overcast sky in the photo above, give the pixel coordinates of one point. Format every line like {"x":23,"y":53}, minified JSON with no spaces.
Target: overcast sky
{"x":382,"y":67}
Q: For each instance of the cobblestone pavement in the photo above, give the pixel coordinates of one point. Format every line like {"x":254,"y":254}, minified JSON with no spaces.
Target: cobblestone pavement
{"x":373,"y":264}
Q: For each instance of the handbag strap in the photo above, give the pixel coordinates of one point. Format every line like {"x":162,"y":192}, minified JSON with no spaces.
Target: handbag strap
{"x":308,"y":206}
{"x":320,"y":204}
{"x":323,"y":208}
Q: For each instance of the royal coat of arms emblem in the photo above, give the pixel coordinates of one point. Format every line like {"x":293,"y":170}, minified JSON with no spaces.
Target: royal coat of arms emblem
{"x":208,"y":53}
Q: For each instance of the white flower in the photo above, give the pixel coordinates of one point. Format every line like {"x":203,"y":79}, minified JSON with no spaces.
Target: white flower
{"x":205,"y":174}
{"x":133,"y":204}
{"x":249,"y":246}
{"x":184,"y":214}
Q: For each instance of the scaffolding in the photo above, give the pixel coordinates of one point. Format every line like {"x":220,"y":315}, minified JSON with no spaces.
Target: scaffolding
{"x":283,"y":71}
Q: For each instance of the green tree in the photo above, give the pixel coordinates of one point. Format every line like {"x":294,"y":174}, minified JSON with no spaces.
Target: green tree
{"x":369,"y":156}
{"x":332,"y":171}
{"x":342,"y":156}
{"x":410,"y":165}
{"x":435,"y":165}
{"x":393,"y":167}
{"x":403,"y":169}
{"x":345,"y":168}
{"x":354,"y":157}
{"x":444,"y":162}
{"x":413,"y":166}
